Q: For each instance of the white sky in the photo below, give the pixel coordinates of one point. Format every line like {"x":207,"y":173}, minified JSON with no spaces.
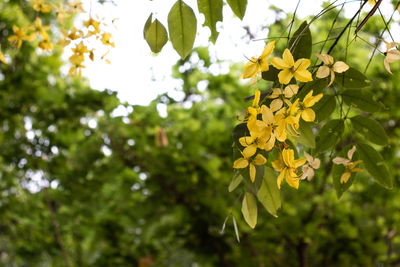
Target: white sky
{"x":139,"y":76}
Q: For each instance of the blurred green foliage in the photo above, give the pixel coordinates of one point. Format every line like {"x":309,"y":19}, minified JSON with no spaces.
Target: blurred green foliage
{"x":118,"y":197}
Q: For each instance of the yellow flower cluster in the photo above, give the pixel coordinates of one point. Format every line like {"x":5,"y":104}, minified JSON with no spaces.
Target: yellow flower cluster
{"x":271,"y":124}
{"x":40,"y":33}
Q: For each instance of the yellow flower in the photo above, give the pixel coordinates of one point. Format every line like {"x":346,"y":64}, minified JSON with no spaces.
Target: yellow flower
{"x":371,"y":2}
{"x":2,"y":58}
{"x":19,"y":36}
{"x":287,"y":122}
{"x":253,"y":67}
{"x":105,"y":39}
{"x":392,"y":55}
{"x":290,"y":68}
{"x":330,"y":67}
{"x":60,"y":12}
{"x":242,"y":163}
{"x":39,"y":29}
{"x":281,"y":96}
{"x":74,"y":34}
{"x":350,"y":166}
{"x":95,"y":24}
{"x":46,"y":44}
{"x":268,"y":127}
{"x":40,"y":6}
{"x":287,"y":165}
{"x":80,"y":49}
{"x":308,"y":169}
{"x":306,"y":113}
{"x":75,"y":6}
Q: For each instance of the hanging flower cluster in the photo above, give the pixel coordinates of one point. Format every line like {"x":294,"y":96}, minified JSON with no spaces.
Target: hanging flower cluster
{"x":79,"y":39}
{"x":269,"y":126}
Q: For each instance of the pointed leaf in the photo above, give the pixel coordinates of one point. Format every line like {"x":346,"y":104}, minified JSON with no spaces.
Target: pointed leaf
{"x":236,"y":228}
{"x":249,"y":209}
{"x":269,"y":193}
{"x":156,"y":36}
{"x":300,"y":43}
{"x":238,"y":7}
{"x":147,"y":25}
{"x":371,"y":129}
{"x":361,"y":99}
{"x":212,"y":11}
{"x":182,"y":26}
{"x":324,"y":108}
{"x":236,"y":180}
{"x":351,"y":79}
{"x":375,"y":165}
{"x":329,"y":135}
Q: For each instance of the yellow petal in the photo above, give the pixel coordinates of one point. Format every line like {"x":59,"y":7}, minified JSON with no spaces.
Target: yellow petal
{"x":252,"y":172}
{"x":288,"y":156}
{"x":340,"y":67}
{"x":308,"y":115}
{"x":276,"y":104}
{"x":345,"y":177}
{"x":323,"y":72}
{"x":249,"y":151}
{"x":340,"y":160}
{"x":270,"y":143}
{"x":285,"y":76}
{"x":288,"y":58}
{"x":268,"y":49}
{"x":246,"y":140}
{"x":256,"y":98}
{"x":279,"y":63}
{"x":292,"y":179}
{"x":327,"y":59}
{"x":302,"y":64}
{"x":264,"y":65}
{"x":250,"y":69}
{"x":280,"y":178}
{"x":332,"y":78}
{"x":387,"y":66}
{"x":240,"y":163}
{"x":276,"y":92}
{"x":2,"y":58}
{"x":291,"y":90}
{"x":260,"y":160}
{"x":278,"y":164}
{"x":303,"y":75}
{"x":356,"y":170}
{"x":299,"y":162}
{"x":267,"y":115}
{"x":311,"y":100}
{"x":350,"y":153}
{"x":392,"y":56}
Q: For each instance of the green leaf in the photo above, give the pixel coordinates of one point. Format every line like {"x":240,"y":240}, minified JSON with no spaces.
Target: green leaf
{"x":147,"y":25}
{"x":249,"y":209}
{"x":351,"y":79}
{"x":236,"y":180}
{"x":361,"y":99}
{"x":182,"y":26}
{"x":329,"y":135}
{"x":271,"y":74}
{"x":236,"y":228}
{"x":375,"y":165}
{"x":238,"y":7}
{"x":324,"y":108}
{"x":306,"y":136}
{"x":371,"y":129}
{"x":269,"y":193}
{"x":301,"y":42}
{"x":156,"y":36}
{"x":339,"y":169}
{"x":212,"y":10}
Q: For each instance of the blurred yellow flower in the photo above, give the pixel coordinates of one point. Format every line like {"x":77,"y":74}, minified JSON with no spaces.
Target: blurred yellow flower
{"x":20,"y":34}
{"x":350,"y":166}
{"x":392,"y":55}
{"x":40,"y":6}
{"x":330,"y":67}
